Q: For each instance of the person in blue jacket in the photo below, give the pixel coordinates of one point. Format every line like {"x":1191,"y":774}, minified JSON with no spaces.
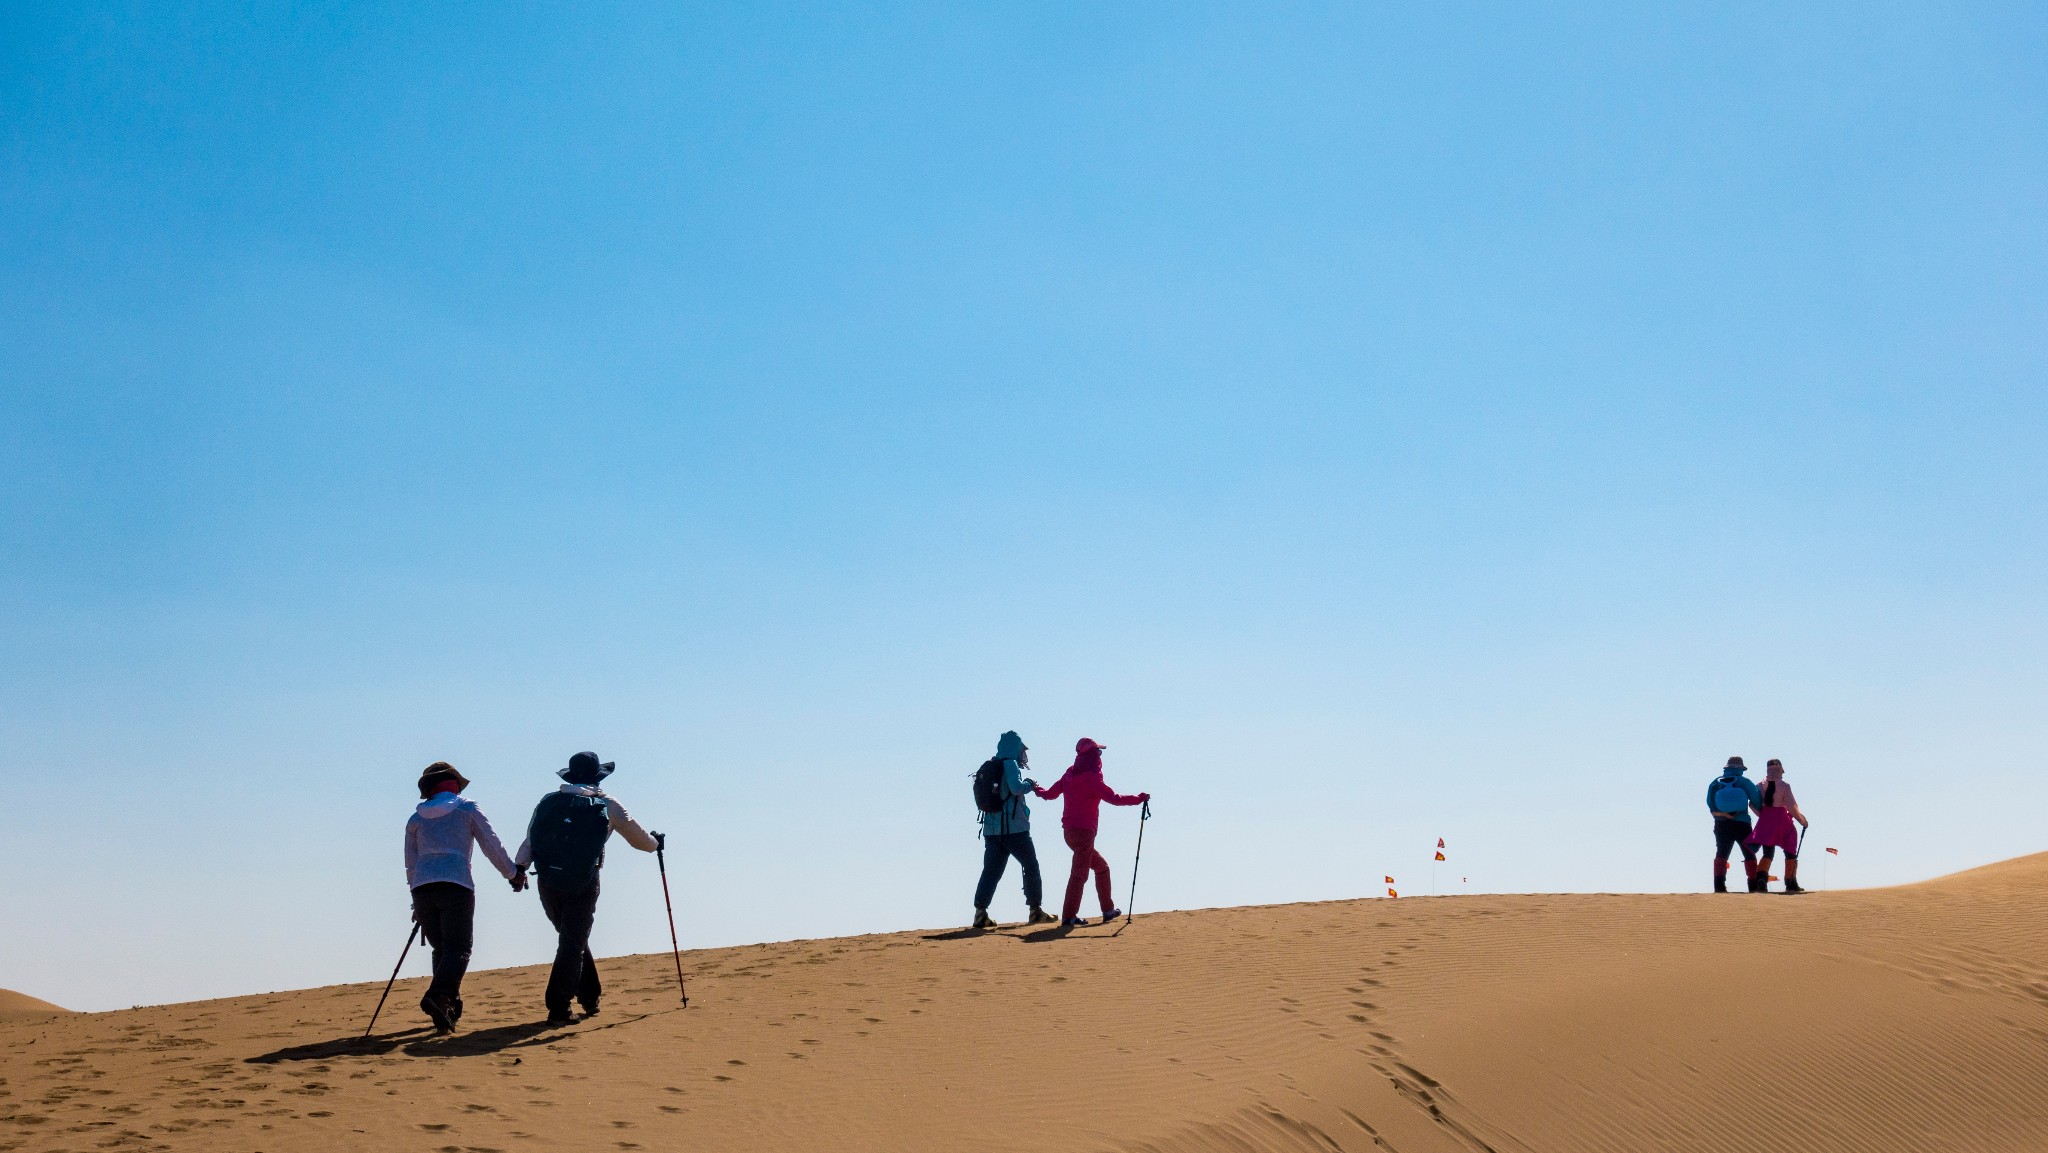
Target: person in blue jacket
{"x":1730,"y":798}
{"x":1006,"y":833}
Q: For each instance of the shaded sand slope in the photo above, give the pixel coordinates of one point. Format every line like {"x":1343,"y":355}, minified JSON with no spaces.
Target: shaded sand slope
{"x":1901,"y":1019}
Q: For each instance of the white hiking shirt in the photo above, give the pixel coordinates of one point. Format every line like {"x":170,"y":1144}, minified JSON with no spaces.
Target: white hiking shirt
{"x":622,"y":823}
{"x":438,"y":838}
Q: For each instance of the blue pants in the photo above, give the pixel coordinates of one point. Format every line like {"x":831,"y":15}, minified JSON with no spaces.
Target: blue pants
{"x":995,"y":857}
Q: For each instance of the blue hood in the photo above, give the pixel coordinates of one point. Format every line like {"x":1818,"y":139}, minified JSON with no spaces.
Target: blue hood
{"x":1009,"y":746}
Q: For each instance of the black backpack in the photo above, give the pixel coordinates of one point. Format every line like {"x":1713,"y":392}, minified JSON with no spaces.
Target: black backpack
{"x":568,"y":834}
{"x":988,"y":786}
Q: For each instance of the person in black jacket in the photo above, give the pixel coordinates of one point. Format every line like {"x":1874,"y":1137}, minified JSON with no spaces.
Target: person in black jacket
{"x":565,"y":844}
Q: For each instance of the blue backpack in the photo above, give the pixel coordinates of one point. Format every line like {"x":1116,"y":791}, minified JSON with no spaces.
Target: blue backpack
{"x":568,"y":834}
{"x":1731,"y":798}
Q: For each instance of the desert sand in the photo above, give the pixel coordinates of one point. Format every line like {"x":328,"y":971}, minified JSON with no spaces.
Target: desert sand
{"x":1913,"y":1018}
{"x":20,"y":1006}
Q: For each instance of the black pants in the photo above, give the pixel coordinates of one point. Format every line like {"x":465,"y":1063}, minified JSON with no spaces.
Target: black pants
{"x":1729,"y":834}
{"x":995,"y":857}
{"x":575,"y":972}
{"x":446,"y":913}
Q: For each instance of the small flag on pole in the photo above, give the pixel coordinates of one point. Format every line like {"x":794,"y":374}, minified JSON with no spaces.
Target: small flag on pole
{"x":1834,"y":852}
{"x":1390,"y":880}
{"x":1439,"y":856}
{"x":1439,"y":843}
{"x":1392,"y":893}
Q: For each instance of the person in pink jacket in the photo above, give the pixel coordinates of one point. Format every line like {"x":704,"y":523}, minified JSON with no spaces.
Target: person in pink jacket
{"x":1083,"y":787}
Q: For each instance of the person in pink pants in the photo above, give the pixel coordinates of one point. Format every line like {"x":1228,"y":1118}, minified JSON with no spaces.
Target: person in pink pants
{"x":1084,"y":789}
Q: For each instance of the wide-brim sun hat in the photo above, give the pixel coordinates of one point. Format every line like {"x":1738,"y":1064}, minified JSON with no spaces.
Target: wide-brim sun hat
{"x":585,"y":769}
{"x":438,"y":772}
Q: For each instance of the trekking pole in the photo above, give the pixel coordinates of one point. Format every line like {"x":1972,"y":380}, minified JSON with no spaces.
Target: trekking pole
{"x":1144,"y":814}
{"x":394,"y":977}
{"x":661,"y":862}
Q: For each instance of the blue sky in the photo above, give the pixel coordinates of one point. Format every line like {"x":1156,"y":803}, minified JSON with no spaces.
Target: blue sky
{"x":1374,"y":423}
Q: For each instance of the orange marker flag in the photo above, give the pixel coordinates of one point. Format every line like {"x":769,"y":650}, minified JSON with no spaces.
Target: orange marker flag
{"x":1392,"y":893}
{"x":1439,"y":856}
{"x":1439,"y":843}
{"x":1835,"y":852}
{"x":1390,"y":880}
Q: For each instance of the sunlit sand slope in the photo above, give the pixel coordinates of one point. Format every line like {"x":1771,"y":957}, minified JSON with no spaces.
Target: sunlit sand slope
{"x":20,"y":1006}
{"x":1901,"y":1019}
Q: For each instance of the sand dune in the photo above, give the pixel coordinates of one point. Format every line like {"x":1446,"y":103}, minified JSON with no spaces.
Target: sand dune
{"x":18,"y":1006}
{"x":1901,"y":1019}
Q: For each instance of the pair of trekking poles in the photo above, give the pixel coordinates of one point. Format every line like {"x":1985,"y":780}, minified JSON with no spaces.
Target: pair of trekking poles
{"x":675,"y":949}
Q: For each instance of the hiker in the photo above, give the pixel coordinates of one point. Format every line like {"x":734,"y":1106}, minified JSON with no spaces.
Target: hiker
{"x":1730,"y":797}
{"x":1000,"y":787}
{"x":565,"y":843}
{"x":1776,"y":810}
{"x":438,"y":838}
{"x":1083,"y":787}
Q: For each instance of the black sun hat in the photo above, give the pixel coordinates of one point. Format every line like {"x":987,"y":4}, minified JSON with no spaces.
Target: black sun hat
{"x":585,"y":769}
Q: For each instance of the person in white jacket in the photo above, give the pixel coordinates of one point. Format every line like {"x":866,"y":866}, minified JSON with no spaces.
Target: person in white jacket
{"x":438,"y":840}
{"x":565,"y":844}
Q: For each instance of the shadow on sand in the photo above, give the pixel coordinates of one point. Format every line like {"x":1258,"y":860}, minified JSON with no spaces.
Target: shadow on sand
{"x":423,"y":1043}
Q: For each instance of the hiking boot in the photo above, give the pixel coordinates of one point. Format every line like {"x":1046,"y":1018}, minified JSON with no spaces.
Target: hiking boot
{"x":1721,"y":884}
{"x":1759,"y":882}
{"x":1111,"y":915}
{"x":455,"y":1011}
{"x":982,"y":920}
{"x":1039,"y":917}
{"x":1072,"y":923}
{"x":1792,"y":877}
{"x":437,"y":1012}
{"x":560,"y":1017}
{"x":590,"y":1010}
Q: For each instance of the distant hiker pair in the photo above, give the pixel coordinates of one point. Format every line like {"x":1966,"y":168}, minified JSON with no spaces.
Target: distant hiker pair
{"x":1000,"y":787}
{"x":564,"y":843}
{"x":1731,"y":798}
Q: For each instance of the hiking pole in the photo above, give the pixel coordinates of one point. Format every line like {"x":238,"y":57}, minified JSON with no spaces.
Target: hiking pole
{"x":661,"y":862}
{"x":1144,"y":814}
{"x":409,"y":937}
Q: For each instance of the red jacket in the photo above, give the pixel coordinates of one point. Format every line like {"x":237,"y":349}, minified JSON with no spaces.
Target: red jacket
{"x":1085,"y":791}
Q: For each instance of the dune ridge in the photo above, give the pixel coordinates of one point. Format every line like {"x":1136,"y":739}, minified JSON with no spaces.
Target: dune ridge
{"x":1912,"y":1018}
{"x":15,"y":1006}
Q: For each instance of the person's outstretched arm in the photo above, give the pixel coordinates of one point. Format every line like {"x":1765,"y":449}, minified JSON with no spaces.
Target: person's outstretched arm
{"x":1058,"y":787}
{"x":1014,"y":784}
{"x":625,"y":826}
{"x":524,"y":856}
{"x":487,"y":840}
{"x":1116,"y":798}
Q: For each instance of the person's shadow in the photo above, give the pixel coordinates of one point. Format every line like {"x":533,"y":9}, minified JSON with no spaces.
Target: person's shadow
{"x":420,"y":1042}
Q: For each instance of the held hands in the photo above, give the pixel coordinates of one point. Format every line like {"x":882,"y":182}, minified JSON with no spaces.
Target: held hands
{"x":518,"y":881}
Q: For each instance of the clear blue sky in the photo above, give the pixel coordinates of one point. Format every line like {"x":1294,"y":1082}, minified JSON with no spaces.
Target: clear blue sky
{"x":1374,"y":423}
